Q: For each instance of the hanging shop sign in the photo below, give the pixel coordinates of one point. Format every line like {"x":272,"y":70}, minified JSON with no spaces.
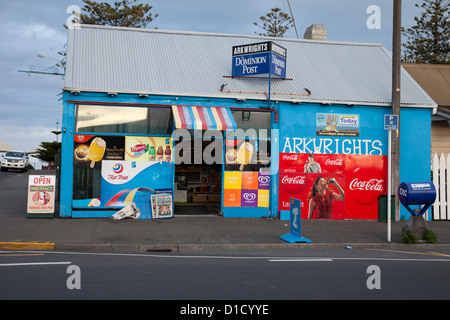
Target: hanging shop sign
{"x":259,"y":58}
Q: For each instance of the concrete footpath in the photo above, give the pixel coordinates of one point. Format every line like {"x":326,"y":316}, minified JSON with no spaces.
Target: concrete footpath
{"x":194,"y":233}
{"x":183,"y":232}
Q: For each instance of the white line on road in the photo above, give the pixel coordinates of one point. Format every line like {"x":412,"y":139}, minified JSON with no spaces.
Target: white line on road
{"x":301,"y":260}
{"x":33,"y":264}
{"x":267,"y":258}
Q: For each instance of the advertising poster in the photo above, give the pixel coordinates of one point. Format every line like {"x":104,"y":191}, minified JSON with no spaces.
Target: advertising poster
{"x":92,"y":152}
{"x":89,"y":152}
{"x":246,"y":189}
{"x":161,"y":206}
{"x":125,"y":181}
{"x":332,"y":124}
{"x":333,"y":186}
{"x":148,"y":149}
{"x":41,"y":195}
{"x":241,"y":155}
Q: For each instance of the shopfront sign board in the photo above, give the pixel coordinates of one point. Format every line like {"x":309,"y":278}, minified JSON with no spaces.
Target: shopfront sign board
{"x":41,"y":196}
{"x":259,"y":58}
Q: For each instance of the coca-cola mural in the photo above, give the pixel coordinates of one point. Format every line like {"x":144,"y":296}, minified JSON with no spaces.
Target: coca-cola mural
{"x":333,"y":186}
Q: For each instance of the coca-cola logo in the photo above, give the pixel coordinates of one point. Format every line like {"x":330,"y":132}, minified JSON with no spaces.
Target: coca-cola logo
{"x":293,"y":182}
{"x":365,"y":190}
{"x":289,"y":157}
{"x":334,"y":164}
{"x":370,"y":185}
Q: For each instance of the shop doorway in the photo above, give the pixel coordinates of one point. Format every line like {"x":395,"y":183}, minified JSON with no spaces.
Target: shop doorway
{"x":198,"y":182}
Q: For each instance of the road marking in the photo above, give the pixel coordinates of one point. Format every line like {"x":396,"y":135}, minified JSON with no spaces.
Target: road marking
{"x":33,"y":264}
{"x":301,"y":260}
{"x":267,"y":258}
{"x":20,"y":255}
{"x":439,"y":254}
{"x":429,"y":253}
{"x":27,"y":245}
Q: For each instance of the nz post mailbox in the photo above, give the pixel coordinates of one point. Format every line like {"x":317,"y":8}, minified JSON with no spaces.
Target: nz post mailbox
{"x":417,"y":193}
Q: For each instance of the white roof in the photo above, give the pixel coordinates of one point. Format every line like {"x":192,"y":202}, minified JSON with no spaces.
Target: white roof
{"x":153,"y":61}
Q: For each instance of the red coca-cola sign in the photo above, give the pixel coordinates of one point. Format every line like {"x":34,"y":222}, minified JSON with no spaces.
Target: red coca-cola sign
{"x":289,"y":159}
{"x":292,"y":182}
{"x":361,"y":177}
{"x":370,"y":185}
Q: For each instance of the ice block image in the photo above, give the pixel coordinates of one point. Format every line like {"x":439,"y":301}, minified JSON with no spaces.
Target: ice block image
{"x":244,"y":154}
{"x":96,"y":151}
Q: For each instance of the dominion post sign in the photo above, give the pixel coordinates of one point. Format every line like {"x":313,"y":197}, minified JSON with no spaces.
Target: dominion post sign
{"x":259,"y":58}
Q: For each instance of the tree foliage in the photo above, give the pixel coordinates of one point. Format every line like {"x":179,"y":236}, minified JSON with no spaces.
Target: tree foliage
{"x":275,"y":23}
{"x":47,"y":151}
{"x":123,"y":13}
{"x":428,"y":41}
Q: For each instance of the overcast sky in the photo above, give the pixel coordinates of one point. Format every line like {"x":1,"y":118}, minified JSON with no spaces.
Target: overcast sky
{"x":29,"y":106}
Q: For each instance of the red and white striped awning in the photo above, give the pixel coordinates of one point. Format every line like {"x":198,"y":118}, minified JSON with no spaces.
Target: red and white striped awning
{"x":203,"y":118}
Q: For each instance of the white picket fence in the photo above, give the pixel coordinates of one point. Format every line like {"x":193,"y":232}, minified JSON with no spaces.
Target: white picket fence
{"x":441,"y":179}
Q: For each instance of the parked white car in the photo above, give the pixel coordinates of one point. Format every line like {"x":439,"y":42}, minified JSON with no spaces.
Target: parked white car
{"x":15,"y":159}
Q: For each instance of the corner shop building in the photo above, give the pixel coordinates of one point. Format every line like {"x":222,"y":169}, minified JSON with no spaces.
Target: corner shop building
{"x":157,"y":113}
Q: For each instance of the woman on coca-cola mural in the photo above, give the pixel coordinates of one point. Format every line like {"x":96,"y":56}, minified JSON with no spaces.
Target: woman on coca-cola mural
{"x":322,"y":197}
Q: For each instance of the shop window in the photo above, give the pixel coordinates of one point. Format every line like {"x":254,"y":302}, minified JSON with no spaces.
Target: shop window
{"x":252,"y":119}
{"x":131,"y":120}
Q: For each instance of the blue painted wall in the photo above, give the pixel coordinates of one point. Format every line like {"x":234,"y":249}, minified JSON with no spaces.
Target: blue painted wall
{"x":294,"y":120}
{"x":415,"y":133}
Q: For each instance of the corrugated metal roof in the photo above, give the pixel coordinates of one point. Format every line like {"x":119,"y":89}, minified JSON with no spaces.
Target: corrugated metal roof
{"x":153,"y":61}
{"x":434,"y":79}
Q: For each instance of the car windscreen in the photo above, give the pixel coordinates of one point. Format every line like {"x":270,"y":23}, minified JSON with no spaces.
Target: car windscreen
{"x":15,"y":154}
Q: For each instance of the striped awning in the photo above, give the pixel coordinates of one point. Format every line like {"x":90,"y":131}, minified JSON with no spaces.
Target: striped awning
{"x":203,"y":118}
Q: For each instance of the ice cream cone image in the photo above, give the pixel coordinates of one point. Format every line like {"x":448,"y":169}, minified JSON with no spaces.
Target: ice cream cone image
{"x":96,"y":151}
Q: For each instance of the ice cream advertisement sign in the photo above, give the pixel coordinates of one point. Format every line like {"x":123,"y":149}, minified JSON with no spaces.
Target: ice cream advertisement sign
{"x":124,"y":182}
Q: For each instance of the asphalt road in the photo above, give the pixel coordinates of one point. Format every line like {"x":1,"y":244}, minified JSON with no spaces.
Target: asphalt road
{"x":14,"y":193}
{"x":227,"y":276}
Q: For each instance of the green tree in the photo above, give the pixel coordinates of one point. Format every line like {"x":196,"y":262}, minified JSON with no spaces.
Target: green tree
{"x":47,"y":151}
{"x":123,"y":13}
{"x":428,"y":41}
{"x":275,"y":23}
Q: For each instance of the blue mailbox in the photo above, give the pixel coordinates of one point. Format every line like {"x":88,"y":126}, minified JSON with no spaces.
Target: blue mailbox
{"x":417,"y":193}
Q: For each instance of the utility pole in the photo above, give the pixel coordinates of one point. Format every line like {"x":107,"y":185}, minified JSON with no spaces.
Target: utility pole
{"x":396,"y":69}
{"x":293,"y":20}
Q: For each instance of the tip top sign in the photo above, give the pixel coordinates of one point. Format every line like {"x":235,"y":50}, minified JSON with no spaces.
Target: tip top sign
{"x":259,"y":58}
